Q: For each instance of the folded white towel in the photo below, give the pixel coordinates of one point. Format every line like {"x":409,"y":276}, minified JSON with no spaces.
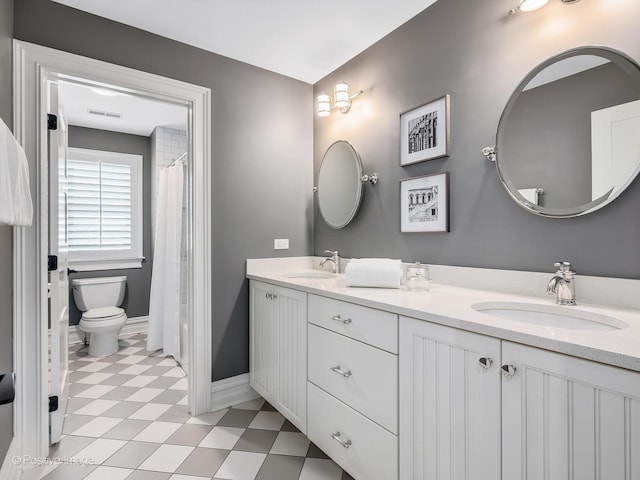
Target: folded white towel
{"x":15,"y":197}
{"x":373,"y":272}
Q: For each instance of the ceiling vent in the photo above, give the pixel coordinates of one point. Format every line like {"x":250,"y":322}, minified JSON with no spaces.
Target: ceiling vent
{"x":102,"y":113}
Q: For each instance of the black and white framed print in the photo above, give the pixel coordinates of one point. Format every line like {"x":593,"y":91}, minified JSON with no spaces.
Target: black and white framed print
{"x":424,"y":132}
{"x":424,"y":203}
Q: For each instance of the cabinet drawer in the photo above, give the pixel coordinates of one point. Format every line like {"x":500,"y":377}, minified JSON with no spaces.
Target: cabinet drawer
{"x":373,"y":452}
{"x":368,"y":325}
{"x":369,"y":378}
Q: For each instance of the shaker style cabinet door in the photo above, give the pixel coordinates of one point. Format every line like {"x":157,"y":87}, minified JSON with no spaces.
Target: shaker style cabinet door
{"x":278,"y":349}
{"x":568,"y":418}
{"x":449,"y":403}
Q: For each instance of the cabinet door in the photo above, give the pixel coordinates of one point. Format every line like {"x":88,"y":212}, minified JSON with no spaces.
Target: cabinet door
{"x":568,"y":418}
{"x":263,"y":340}
{"x":449,"y":403}
{"x":292,"y":355}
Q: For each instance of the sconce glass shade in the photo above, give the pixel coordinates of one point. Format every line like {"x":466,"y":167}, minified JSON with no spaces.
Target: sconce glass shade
{"x":531,"y":5}
{"x":323,"y":105}
{"x":341,"y":95}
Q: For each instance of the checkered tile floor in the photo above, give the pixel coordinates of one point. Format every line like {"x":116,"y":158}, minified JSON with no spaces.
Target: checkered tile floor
{"x":127,"y":415}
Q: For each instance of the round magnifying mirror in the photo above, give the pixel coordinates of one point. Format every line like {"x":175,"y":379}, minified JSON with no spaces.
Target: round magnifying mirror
{"x":568,"y":141}
{"x":340,"y":184}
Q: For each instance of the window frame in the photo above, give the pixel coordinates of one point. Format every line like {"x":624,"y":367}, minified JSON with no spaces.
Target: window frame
{"x":90,"y":260}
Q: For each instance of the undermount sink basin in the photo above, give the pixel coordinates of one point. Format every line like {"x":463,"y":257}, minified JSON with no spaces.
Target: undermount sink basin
{"x":310,"y":275}
{"x":550,"y":316}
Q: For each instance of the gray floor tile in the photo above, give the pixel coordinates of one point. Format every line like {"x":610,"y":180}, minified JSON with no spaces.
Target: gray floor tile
{"x":147,"y":475}
{"x":237,"y":418}
{"x":116,"y":379}
{"x":267,"y":407}
{"x":76,"y":403}
{"x":162,"y":382}
{"x":119,"y":393}
{"x":123,"y":409}
{"x":289,"y":427}
{"x":132,"y":455}
{"x":158,"y":371}
{"x":203,"y":462}
{"x":69,"y":446}
{"x":75,"y":376}
{"x":176,"y":414}
{"x":170,"y":396}
{"x":76,"y":388}
{"x":74,"y":422}
{"x":346,"y":476}
{"x":258,"y":441}
{"x":150,"y":360}
{"x":189,"y":435}
{"x":70,"y":472}
{"x":315,"y":452}
{"x":280,"y":467}
{"x":115,"y":368}
{"x":127,"y":429}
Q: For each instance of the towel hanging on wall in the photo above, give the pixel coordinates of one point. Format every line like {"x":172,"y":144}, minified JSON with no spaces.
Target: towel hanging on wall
{"x":15,"y":197}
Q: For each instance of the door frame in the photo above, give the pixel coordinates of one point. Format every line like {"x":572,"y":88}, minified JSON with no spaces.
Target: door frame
{"x":34,"y":65}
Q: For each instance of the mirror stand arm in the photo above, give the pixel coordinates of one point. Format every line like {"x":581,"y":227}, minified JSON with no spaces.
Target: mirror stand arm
{"x":489,"y":153}
{"x":373,"y":178}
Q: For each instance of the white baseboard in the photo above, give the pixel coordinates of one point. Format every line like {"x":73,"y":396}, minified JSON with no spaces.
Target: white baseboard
{"x":10,"y":468}
{"x":134,"y":325}
{"x":231,"y":391}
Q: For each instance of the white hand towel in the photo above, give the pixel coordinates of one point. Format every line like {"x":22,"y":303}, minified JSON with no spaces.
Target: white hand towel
{"x":373,"y":272}
{"x":15,"y":198}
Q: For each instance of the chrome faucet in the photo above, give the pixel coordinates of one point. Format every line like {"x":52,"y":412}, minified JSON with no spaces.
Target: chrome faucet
{"x":562,"y":284}
{"x":334,"y":258}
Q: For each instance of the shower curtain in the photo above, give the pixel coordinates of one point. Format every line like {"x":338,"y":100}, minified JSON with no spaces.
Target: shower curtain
{"x":164,"y":302}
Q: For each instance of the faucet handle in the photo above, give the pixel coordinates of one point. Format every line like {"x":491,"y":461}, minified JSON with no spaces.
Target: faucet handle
{"x":564,"y":267}
{"x":331,"y":252}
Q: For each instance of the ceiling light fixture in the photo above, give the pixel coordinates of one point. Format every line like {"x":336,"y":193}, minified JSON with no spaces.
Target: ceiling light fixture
{"x":531,"y":5}
{"x":342,"y":97}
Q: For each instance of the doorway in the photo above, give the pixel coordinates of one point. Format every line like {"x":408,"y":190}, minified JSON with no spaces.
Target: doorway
{"x":36,"y":66}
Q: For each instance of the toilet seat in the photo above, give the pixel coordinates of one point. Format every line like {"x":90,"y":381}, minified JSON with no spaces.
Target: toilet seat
{"x":103,"y":313}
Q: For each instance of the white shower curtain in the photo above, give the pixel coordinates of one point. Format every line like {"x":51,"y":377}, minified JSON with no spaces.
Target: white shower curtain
{"x":164,"y":302}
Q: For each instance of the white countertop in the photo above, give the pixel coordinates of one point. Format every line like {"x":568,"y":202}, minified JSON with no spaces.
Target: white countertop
{"x":451,"y":306}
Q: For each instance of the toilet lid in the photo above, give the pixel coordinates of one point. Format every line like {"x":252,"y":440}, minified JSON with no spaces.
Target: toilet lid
{"x":103,"y":312}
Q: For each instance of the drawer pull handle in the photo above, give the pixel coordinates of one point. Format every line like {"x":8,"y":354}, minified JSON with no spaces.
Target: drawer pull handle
{"x":485,"y":363}
{"x":338,"y":318}
{"x":336,"y":437}
{"x":508,"y":371}
{"x":337,"y":369}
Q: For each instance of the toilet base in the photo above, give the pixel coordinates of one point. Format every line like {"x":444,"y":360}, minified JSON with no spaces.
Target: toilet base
{"x":103,"y":335}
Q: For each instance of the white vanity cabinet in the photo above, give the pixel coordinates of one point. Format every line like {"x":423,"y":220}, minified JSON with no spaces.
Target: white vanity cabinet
{"x":449,"y":403}
{"x":564,"y":417}
{"x":278,"y":349}
{"x":353,"y":387}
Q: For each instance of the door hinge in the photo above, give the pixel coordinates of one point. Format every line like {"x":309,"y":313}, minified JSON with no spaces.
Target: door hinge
{"x":52,"y":263}
{"x":52,"y":121}
{"x":53,"y":403}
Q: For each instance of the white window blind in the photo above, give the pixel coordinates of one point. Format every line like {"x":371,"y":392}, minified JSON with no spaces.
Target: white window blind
{"x":104,"y":207}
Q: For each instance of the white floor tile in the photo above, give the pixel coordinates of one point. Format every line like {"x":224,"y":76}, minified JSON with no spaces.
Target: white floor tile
{"x":320,"y":469}
{"x":291,"y":443}
{"x":129,"y":350}
{"x":97,"y":407}
{"x":131,"y":359}
{"x":167,"y":362}
{"x":144,"y":395}
{"x":181,"y":384}
{"x":150,"y":411}
{"x":109,"y":473}
{"x":267,"y":421}
{"x":208,"y":418}
{"x":222,"y":437}
{"x":96,"y":391}
{"x":95,"y":378}
{"x":139,"y":381}
{"x":174,"y":372}
{"x":167,"y":458}
{"x":157,"y":432}
{"x":98,"y":451}
{"x":241,"y":466}
{"x":135,"y":369}
{"x":94,"y":366}
{"x":97,"y":427}
{"x":177,"y":476}
{"x":255,"y":404}
{"x":184,"y":401}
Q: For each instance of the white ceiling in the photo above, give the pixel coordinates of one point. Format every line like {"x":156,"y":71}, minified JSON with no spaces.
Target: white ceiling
{"x":139,"y":115}
{"x":303,"y":39}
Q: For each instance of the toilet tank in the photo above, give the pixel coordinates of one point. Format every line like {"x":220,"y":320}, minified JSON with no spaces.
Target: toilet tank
{"x":91,"y":293}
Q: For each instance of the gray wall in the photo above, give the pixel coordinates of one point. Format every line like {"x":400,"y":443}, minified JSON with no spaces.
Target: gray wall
{"x":261,"y":139}
{"x":478,"y":54}
{"x":6,"y":233}
{"x":136,"y":302}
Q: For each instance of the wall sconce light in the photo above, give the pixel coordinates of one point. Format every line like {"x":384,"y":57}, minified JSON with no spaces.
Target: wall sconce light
{"x":531,"y":5}
{"x":342,"y":97}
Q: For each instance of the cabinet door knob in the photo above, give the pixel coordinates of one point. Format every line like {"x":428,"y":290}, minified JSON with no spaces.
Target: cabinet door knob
{"x":485,"y":363}
{"x":508,"y":371}
{"x":337,"y":369}
{"x":338,"y":318}
{"x":336,"y":437}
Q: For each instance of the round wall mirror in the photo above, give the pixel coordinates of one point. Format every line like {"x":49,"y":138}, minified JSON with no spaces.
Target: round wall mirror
{"x":340,"y":184}
{"x":568,"y":141}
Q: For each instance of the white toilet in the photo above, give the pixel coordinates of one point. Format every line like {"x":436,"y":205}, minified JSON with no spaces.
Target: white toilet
{"x":102,"y":319}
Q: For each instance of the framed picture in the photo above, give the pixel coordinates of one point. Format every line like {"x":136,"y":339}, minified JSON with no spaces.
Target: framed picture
{"x":424,"y":132}
{"x":424,"y":203}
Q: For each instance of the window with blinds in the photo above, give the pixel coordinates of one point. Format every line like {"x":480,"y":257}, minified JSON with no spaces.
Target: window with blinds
{"x":104,"y":208}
